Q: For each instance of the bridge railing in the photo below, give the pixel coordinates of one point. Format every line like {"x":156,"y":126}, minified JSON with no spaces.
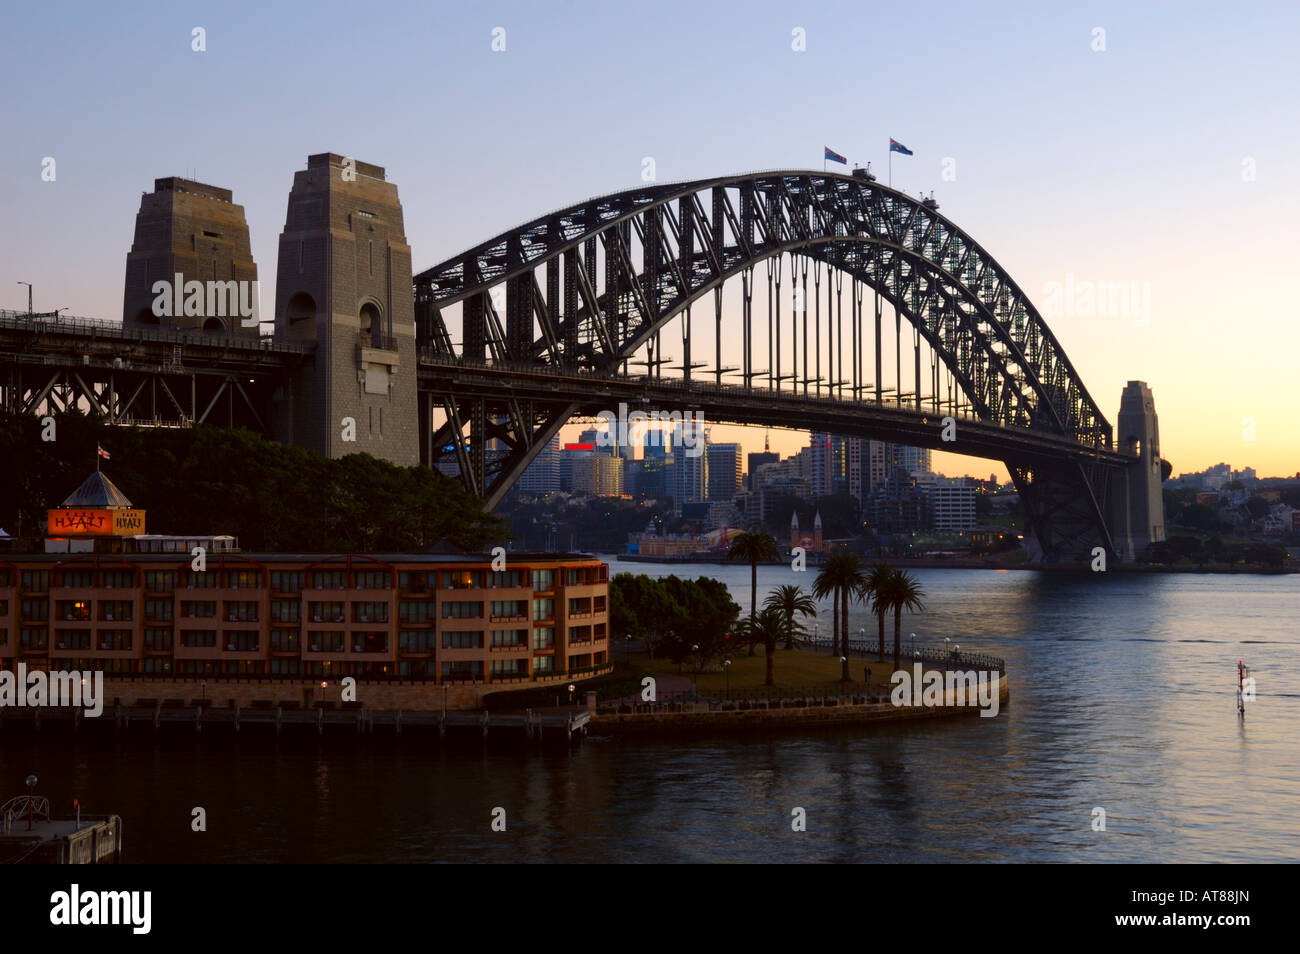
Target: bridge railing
{"x":103,"y":328}
{"x":931,"y":655}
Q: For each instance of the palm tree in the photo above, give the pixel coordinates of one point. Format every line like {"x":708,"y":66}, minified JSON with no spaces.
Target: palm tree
{"x":901,"y":592}
{"x":871,"y":590}
{"x":767,"y":628}
{"x":840,"y":575}
{"x":790,"y":599}
{"x":753,"y":548}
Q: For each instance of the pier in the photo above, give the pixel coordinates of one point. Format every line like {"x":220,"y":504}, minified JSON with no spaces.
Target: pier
{"x":566,"y":723}
{"x":29,"y":836}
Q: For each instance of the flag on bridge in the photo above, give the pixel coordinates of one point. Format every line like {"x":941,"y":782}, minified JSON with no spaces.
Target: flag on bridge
{"x":834,"y":156}
{"x":896,"y":146}
{"x":103,"y":453}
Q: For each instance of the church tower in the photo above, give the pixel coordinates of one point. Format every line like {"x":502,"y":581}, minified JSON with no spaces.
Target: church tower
{"x":344,"y":283}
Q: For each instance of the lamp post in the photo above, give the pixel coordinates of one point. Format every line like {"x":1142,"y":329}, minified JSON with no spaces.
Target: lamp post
{"x":726,"y":667}
{"x":31,"y":799}
{"x":627,"y":648}
{"x":29,"y":296}
{"x":571,"y":688}
{"x":843,"y":661}
{"x":695,"y":681}
{"x":203,"y":693}
{"x":862,"y":638}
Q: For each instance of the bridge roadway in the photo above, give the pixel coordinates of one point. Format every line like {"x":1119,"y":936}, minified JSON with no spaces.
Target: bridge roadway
{"x":592,"y":393}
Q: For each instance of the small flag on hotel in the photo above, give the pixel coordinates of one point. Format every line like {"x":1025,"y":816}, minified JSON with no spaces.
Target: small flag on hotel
{"x":896,"y":146}
{"x":834,"y":156}
{"x":103,"y":453}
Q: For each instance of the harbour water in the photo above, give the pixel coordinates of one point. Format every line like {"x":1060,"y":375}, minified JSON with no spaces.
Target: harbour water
{"x":1123,"y":699}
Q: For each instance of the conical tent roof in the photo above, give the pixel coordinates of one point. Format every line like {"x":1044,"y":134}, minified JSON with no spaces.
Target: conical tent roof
{"x":97,"y":491}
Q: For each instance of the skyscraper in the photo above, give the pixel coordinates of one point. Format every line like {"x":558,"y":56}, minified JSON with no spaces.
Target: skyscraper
{"x":724,"y":471}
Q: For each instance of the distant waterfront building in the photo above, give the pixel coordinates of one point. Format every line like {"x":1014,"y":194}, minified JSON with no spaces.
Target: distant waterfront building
{"x":595,"y":473}
{"x":828,"y":456}
{"x":755,"y":462}
{"x":690,"y":463}
{"x":951,"y":503}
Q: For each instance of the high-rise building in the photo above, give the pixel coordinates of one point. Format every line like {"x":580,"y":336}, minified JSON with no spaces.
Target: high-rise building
{"x":724,"y":471}
{"x":542,"y":476}
{"x":690,"y":463}
{"x":754,"y":462}
{"x":829,"y":462}
{"x":951,"y":503}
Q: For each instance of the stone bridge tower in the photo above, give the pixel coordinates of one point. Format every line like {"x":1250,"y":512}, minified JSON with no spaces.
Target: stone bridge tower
{"x":344,"y":283}
{"x":1137,"y":503}
{"x":196,"y":231}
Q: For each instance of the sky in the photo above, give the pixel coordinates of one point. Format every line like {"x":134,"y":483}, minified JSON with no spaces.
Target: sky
{"x":1150,"y":145}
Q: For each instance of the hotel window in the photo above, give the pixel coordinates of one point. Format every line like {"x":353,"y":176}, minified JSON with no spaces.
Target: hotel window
{"x":198,"y":609}
{"x":579,"y":634}
{"x":287,"y":581}
{"x":543,"y":609}
{"x":370,"y":642}
{"x":329,"y":579}
{"x":72,"y":610}
{"x":543,"y":580}
{"x":4,"y":579}
{"x":409,"y":611}
{"x":510,"y":667}
{"x":119,"y":611}
{"x":113,"y":640}
{"x":326,"y":641}
{"x":243,"y":579}
{"x":463,"y":669}
{"x":543,"y":664}
{"x":372,"y":579}
{"x":34,"y":609}
{"x":4,"y":607}
{"x":160,"y":581}
{"x":205,"y":580}
{"x":462,"y":610}
{"x":118,"y":579}
{"x":418,"y":641}
{"x":35,"y":581}
{"x":241,"y":611}
{"x":286,"y":667}
{"x":462,"y":639}
{"x":462,"y":579}
{"x":501,"y":579}
{"x":412,"y":582}
{"x":198,"y":638}
{"x":77,"y":578}
{"x":38,"y":639}
{"x":327,"y":612}
{"x":370,"y":612}
{"x":599,"y":631}
{"x":544,"y":638}
{"x":72,"y":639}
{"x":598,"y":604}
{"x":284,"y":641}
{"x":516,"y":638}
{"x":241,"y":641}
{"x":509,"y":609}
{"x":158,"y":639}
{"x":154,"y":665}
{"x":580,"y":604}
{"x":285,"y":611}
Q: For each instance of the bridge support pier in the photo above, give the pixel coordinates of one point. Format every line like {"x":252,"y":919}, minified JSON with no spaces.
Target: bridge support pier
{"x":1136,"y":495}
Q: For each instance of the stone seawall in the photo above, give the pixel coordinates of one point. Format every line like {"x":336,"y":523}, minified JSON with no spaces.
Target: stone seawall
{"x":699,"y":717}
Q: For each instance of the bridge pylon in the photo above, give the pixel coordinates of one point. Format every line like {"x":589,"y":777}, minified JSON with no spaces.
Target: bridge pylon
{"x":344,"y":283}
{"x":1137,"y":506}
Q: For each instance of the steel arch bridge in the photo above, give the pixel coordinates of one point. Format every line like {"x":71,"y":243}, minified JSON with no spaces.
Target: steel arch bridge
{"x":554,"y":312}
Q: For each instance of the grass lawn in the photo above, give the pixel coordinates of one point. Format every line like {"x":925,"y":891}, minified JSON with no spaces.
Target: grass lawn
{"x":792,"y":668}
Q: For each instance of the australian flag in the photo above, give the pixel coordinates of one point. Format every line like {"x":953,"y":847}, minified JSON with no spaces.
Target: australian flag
{"x":834,"y":156}
{"x":896,"y":146}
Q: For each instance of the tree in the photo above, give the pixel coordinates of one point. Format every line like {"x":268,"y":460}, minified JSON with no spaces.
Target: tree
{"x":840,"y":575}
{"x":767,"y":628}
{"x":790,"y":599}
{"x":753,"y":548}
{"x":873,"y":589}
{"x":901,"y":592}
